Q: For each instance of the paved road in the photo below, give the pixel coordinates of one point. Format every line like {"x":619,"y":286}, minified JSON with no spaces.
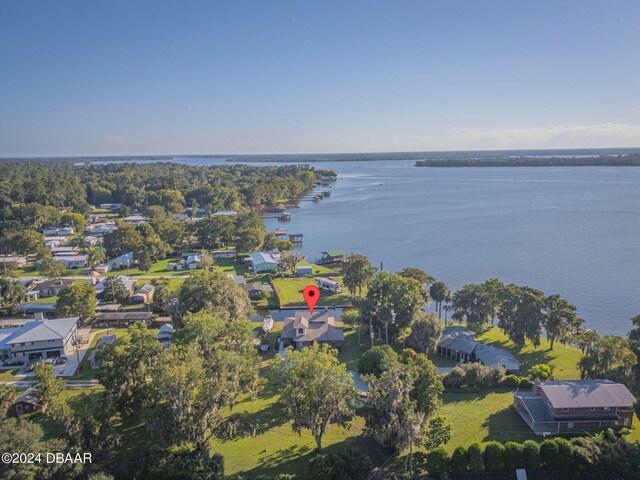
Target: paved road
{"x":70,"y":383}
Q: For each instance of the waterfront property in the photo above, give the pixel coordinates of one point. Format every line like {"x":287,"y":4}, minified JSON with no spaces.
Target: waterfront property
{"x":333,"y":256}
{"x":303,"y":329}
{"x":561,"y":406}
{"x":459,"y":343}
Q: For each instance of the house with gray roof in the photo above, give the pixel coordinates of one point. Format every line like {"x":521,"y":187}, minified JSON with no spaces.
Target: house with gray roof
{"x":49,"y":338}
{"x":263,"y":261}
{"x":561,"y":406}
{"x":459,"y":343}
{"x":303,"y":329}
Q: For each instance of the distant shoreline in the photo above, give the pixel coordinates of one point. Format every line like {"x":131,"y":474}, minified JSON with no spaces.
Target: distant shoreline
{"x":632,"y":160}
{"x":530,"y":157}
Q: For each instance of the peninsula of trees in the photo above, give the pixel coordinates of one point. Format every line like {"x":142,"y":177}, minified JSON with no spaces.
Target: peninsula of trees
{"x":631,"y":160}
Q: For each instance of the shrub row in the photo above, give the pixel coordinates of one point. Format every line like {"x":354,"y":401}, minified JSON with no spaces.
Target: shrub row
{"x":475,"y":376}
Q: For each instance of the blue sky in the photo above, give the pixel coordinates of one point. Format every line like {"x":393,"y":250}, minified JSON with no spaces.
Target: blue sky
{"x":169,"y":77}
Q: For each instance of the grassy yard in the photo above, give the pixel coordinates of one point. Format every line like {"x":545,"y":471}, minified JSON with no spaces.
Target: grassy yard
{"x":9,"y":375}
{"x":290,"y":292}
{"x":85,"y":371}
{"x":276,"y":448}
{"x":563,"y":359}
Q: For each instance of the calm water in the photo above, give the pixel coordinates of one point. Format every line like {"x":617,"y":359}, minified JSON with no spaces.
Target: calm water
{"x":572,"y":231}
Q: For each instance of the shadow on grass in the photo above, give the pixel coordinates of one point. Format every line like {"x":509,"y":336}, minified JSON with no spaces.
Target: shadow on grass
{"x":253,"y":424}
{"x":507,"y":426}
{"x":295,"y":459}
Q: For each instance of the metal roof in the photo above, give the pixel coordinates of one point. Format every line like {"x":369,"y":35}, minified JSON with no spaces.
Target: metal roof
{"x":43,"y":330}
{"x":587,"y":393}
{"x":264,"y":257}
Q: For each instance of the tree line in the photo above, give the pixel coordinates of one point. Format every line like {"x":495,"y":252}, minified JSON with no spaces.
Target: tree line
{"x":630,"y":160}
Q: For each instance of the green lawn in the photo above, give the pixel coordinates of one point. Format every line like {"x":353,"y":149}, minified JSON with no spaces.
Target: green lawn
{"x":86,"y":372}
{"x":563,"y":359}
{"x":9,"y":375}
{"x":290,"y":292}
{"x":276,"y":448}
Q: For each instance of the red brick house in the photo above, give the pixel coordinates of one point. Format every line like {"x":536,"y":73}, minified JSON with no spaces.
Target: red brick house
{"x":554,"y":407}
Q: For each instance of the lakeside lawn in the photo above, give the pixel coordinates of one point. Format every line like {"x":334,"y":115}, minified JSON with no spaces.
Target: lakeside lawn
{"x":563,"y":359}
{"x":289,"y":291}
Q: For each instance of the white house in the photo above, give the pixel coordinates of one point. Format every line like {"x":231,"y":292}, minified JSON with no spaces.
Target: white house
{"x":110,"y":206}
{"x":264,"y":261}
{"x":135,"y":219}
{"x":41,"y":339}
{"x":123,"y":261}
{"x":74,"y":261}
{"x":58,"y":231}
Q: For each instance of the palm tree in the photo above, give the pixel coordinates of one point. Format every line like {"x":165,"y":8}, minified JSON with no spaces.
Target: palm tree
{"x":439,"y":293}
{"x":96,"y":257}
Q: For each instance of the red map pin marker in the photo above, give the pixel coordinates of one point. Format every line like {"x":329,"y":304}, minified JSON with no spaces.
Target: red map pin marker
{"x":311,"y":296}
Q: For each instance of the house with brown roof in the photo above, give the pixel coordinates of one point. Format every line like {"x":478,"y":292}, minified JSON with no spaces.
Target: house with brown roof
{"x":561,"y":406}
{"x":303,"y":329}
{"x":52,"y":288}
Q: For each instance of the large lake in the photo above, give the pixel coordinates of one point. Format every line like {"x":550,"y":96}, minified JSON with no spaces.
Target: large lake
{"x":573,"y":231}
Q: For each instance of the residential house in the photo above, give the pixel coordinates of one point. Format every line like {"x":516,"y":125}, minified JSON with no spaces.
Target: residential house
{"x":567,"y":406}
{"x":135,"y":219}
{"x":459,"y":343}
{"x":254,"y":290}
{"x":224,"y":213}
{"x":8,"y":260}
{"x":110,"y":206}
{"x":28,"y":403}
{"x":144,"y":294}
{"x":303,"y":329}
{"x":333,"y":256}
{"x":100,"y":344}
{"x":51,"y":242}
{"x":263,"y":261}
{"x":52,"y":288}
{"x":74,"y":261}
{"x":100,"y":229}
{"x":46,"y":338}
{"x":61,"y":250}
{"x":58,"y":231}
{"x":123,"y":261}
{"x":129,"y":285}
